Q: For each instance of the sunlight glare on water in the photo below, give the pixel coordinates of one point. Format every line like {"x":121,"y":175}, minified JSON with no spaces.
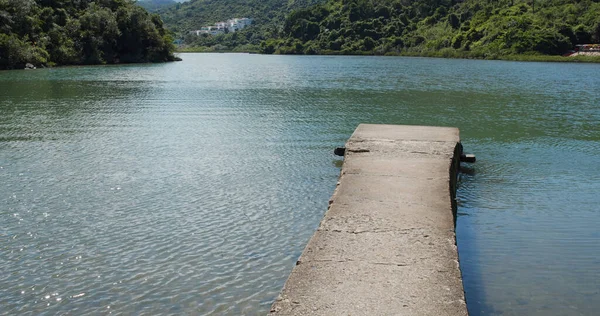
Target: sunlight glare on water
{"x":193,"y":187}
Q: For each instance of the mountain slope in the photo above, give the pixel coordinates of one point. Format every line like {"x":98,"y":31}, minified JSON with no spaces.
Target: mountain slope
{"x":154,"y":5}
{"x":197,"y":13}
{"x":473,"y":28}
{"x":268,"y":16}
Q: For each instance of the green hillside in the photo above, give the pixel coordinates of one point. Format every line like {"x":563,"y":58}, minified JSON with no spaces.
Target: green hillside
{"x":197,"y":13}
{"x":154,"y":5}
{"x":473,"y":28}
{"x":66,"y":32}
{"x":268,"y":16}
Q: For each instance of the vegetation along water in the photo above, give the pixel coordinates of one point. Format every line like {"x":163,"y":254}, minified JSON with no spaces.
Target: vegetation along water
{"x":504,"y":29}
{"x":192,"y":187}
{"x":67,"y":32}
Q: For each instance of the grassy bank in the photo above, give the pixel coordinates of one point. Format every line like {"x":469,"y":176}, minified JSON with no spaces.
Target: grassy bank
{"x":444,"y":53}
{"x":450,"y":53}
{"x":574,"y":59}
{"x":466,"y":55}
{"x":204,"y":49}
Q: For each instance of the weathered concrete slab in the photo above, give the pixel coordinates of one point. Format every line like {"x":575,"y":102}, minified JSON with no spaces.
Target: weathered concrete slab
{"x":386,"y":246}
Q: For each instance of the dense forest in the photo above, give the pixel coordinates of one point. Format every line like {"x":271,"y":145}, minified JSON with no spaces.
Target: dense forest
{"x":154,"y":5}
{"x":268,"y":16}
{"x":448,"y":28}
{"x":66,"y":32}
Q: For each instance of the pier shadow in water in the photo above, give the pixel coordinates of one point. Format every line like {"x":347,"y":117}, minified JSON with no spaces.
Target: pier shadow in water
{"x":467,"y":246}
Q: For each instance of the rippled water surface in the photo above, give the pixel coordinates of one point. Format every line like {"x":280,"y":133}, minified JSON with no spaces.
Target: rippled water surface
{"x":192,"y":187}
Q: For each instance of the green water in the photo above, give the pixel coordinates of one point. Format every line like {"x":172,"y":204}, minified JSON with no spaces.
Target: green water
{"x":192,"y":187}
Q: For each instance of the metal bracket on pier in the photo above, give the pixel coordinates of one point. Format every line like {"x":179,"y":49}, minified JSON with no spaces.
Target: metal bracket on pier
{"x":340,"y":151}
{"x":468,"y":158}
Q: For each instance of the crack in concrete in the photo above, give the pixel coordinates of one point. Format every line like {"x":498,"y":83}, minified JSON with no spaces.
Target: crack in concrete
{"x":353,"y":201}
{"x":397,"y":264}
{"x":359,"y":150}
{"x":403,"y":231}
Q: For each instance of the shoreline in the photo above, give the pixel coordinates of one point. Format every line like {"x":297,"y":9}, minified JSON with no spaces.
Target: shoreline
{"x":42,"y":67}
{"x":576,"y":58}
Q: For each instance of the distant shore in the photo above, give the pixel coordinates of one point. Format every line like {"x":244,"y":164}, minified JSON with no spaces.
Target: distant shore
{"x":580,"y":57}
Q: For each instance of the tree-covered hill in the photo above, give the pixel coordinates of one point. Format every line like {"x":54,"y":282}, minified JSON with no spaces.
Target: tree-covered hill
{"x":451,"y":28}
{"x":154,"y":5}
{"x":66,"y":32}
{"x":194,"y":14}
{"x":268,"y":16}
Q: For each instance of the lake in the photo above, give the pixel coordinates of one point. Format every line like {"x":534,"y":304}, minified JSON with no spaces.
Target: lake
{"x":193,"y":187}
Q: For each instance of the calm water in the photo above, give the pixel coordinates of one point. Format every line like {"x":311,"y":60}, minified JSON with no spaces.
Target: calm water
{"x":193,"y":187}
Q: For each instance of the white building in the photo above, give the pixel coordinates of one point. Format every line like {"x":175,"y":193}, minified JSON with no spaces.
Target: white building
{"x":238,"y":24}
{"x":222,"y":25}
{"x":232,"y":25}
{"x":212,"y":30}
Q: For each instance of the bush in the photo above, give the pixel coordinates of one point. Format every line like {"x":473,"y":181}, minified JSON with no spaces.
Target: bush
{"x":15,"y":53}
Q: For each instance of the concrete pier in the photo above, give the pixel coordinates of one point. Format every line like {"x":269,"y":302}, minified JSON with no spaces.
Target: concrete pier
{"x":386,"y":245}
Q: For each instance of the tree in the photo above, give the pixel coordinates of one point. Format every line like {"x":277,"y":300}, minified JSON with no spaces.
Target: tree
{"x":80,"y":31}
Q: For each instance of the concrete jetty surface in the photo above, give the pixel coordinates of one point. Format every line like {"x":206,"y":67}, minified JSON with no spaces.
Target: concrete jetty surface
{"x":386,"y":245}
